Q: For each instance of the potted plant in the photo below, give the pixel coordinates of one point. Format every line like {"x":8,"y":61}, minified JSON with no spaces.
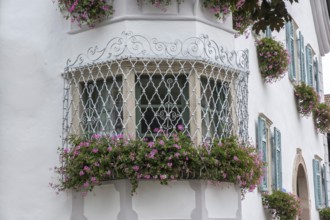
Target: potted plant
{"x":273,"y":59}
{"x":321,"y":115}
{"x":307,"y":98}
{"x":85,"y":12}
{"x":91,"y":161}
{"x":282,"y":205}
{"x":325,"y":213}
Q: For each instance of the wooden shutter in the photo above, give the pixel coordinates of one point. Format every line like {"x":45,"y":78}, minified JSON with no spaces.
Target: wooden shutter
{"x":309,"y":64}
{"x":325,"y":186}
{"x":302,"y":58}
{"x":277,"y":157}
{"x":316,"y":75}
{"x":290,"y":47}
{"x":317,"y":184}
{"x":262,"y":147}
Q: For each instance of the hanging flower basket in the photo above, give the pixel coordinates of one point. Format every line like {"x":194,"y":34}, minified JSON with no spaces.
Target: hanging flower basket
{"x":282,"y":205}
{"x":85,"y":12}
{"x":273,"y":59}
{"x":307,"y":99}
{"x":100,"y":158}
{"x":325,"y":214}
{"x":321,"y":114}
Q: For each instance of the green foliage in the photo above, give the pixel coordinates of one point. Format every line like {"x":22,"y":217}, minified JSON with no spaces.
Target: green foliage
{"x":307,"y":98}
{"x":321,"y":114}
{"x":85,"y":11}
{"x":283,"y":205}
{"x":91,"y":161}
{"x":271,"y":14}
{"x":325,"y":213}
{"x":273,"y":59}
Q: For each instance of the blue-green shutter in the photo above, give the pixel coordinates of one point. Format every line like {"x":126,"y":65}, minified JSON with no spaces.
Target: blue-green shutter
{"x":309,"y":64}
{"x":268,"y":33}
{"x":325,"y":185}
{"x":302,"y":58}
{"x":262,"y":147}
{"x":317,"y":184}
{"x":316,"y":75}
{"x":290,"y":47}
{"x":277,"y":157}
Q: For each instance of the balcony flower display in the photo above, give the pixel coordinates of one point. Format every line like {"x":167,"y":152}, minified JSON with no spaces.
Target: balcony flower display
{"x":282,"y":205}
{"x":85,"y":12}
{"x":321,"y":114}
{"x":307,"y":98}
{"x":273,"y":59}
{"x":170,"y":157}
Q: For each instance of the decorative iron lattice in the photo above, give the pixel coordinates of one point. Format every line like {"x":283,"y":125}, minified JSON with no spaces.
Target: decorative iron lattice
{"x":139,"y":87}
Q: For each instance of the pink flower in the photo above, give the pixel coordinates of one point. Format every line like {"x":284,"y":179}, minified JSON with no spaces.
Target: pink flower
{"x":95,"y":150}
{"x":224,"y":175}
{"x":180,"y":127}
{"x":169,"y":164}
{"x":236,"y":158}
{"x":93,"y":179}
{"x":152,"y":153}
{"x":161,"y":142}
{"x":176,"y":155}
{"x":147,"y":177}
{"x":86,"y":184}
{"x":73,"y":6}
{"x":176,"y":146}
{"x":163,"y":176}
{"x":108,"y":172}
{"x":96,"y":136}
{"x":86,"y":168}
{"x":151,"y":144}
{"x":109,"y":148}
{"x":81,"y":173}
{"x":136,"y":168}
{"x":105,"y":7}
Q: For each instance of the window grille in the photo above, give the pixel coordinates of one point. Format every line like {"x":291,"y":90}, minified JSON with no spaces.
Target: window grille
{"x":136,"y":86}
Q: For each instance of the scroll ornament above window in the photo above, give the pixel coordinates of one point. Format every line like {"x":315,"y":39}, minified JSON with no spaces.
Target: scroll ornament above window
{"x":138,"y":87}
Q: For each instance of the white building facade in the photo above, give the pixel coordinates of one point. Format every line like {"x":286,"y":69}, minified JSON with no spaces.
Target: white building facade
{"x":59,"y":79}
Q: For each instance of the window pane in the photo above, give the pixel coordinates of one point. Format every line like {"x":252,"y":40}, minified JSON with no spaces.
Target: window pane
{"x":163,"y":103}
{"x":102,"y":106}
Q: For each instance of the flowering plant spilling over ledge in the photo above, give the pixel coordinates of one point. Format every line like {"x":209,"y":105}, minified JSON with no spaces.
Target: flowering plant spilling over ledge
{"x":282,"y":205}
{"x":221,"y":9}
{"x":273,"y":59}
{"x":85,"y":11}
{"x":321,"y":114}
{"x":161,"y":4}
{"x":170,"y":157}
{"x":307,"y":98}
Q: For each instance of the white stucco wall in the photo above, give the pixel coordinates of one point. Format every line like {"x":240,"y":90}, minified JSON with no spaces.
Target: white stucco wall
{"x":34,"y":47}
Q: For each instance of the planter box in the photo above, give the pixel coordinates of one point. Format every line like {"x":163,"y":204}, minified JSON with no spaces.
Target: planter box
{"x":184,"y":200}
